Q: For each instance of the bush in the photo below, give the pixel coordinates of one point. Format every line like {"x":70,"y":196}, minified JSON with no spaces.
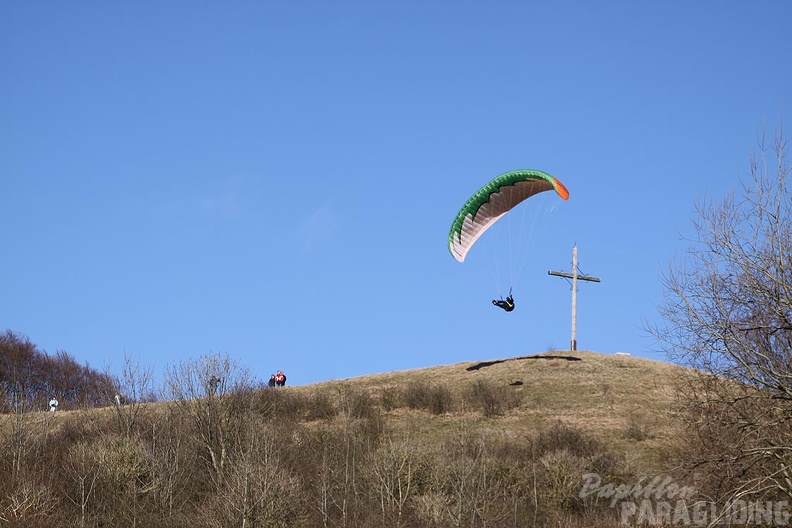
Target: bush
{"x":319,"y":406}
{"x":389,"y":398}
{"x":436,"y":399}
{"x":491,"y":399}
{"x":279,"y":404}
{"x":637,"y":430}
{"x":575,"y":445}
{"x":356,"y":404}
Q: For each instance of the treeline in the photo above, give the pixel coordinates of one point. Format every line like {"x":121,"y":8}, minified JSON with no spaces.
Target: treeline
{"x":236,"y":455}
{"x":29,"y":377}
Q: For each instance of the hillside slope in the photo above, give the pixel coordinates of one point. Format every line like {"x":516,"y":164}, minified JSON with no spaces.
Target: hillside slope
{"x":622,"y":400}
{"x":501,"y":442}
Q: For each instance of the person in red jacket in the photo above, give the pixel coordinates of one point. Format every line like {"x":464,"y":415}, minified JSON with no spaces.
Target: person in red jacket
{"x":280,"y":379}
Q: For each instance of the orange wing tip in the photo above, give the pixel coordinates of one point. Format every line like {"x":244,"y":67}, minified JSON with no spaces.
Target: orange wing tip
{"x":561,"y":189}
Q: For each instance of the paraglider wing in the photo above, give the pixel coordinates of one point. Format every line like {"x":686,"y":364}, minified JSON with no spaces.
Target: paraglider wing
{"x":493,"y":201}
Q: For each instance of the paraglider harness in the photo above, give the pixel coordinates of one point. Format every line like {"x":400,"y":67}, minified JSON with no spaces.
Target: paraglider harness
{"x":507,"y":304}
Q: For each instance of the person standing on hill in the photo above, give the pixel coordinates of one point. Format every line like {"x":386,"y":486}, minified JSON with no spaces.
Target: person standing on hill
{"x":280,"y":379}
{"x":53,"y":404}
{"x":214,"y":381}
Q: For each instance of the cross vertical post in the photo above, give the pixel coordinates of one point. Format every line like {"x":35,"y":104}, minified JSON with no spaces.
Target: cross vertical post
{"x":574,"y":276}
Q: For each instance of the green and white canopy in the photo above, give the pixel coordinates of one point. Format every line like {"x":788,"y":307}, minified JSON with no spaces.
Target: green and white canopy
{"x":494,"y":200}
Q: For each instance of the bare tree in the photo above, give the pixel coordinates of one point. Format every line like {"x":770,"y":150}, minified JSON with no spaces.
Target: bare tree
{"x":26,"y":496}
{"x":215,"y":392}
{"x":82,"y":471}
{"x":727,"y":312}
{"x":461,"y":474}
{"x":29,"y":377}
{"x":128,"y":391}
{"x":258,"y":490}
{"x":395,"y":467}
{"x":126,"y":481}
{"x":20,"y":379}
{"x":174,"y":461}
{"x":333,"y":471}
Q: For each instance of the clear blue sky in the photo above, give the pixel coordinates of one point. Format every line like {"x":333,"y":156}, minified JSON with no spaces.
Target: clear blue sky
{"x":276,"y":180}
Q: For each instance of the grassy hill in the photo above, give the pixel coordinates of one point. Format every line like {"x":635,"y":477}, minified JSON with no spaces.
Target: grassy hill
{"x":624,"y":401}
{"x":499,"y":442}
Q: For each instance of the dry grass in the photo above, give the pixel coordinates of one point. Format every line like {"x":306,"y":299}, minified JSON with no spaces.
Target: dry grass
{"x":611,"y":405}
{"x":623,"y":401}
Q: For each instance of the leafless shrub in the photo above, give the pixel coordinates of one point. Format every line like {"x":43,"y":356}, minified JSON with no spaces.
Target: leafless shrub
{"x":175,"y":463}
{"x":396,"y":470}
{"x":469,"y":485}
{"x":29,"y":504}
{"x":280,"y":404}
{"x":434,"y":398}
{"x":319,"y":406}
{"x":218,"y":395}
{"x":331,"y":465}
{"x":637,"y":429}
{"x":81,"y":473}
{"x":127,"y":392}
{"x":389,"y":398}
{"x":490,"y":398}
{"x":258,"y":489}
{"x":561,"y":471}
